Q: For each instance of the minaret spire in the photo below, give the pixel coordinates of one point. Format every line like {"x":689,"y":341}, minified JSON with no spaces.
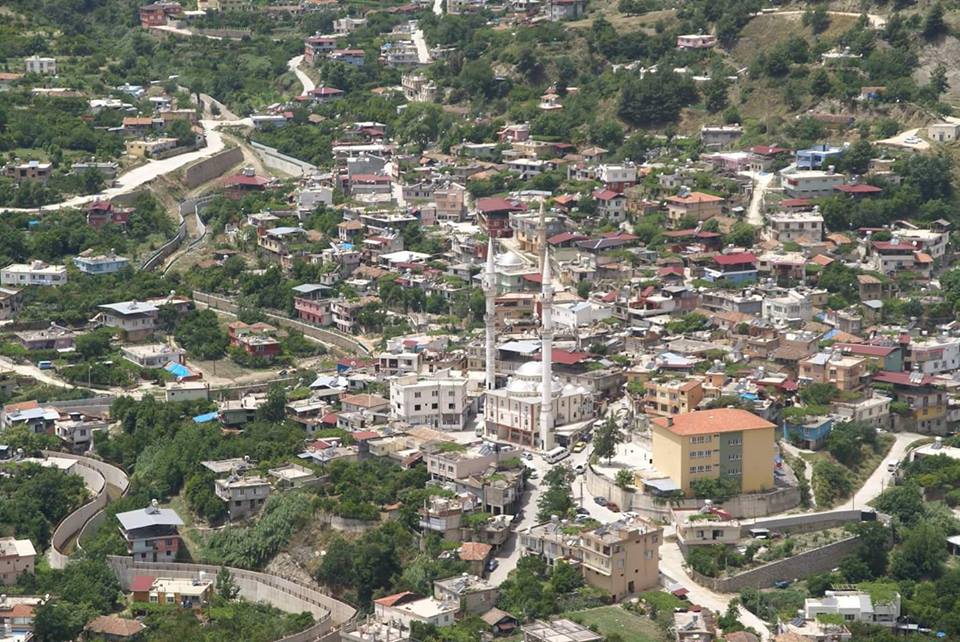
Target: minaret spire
{"x":546,"y":357}
{"x":542,"y":235}
{"x":490,"y":318}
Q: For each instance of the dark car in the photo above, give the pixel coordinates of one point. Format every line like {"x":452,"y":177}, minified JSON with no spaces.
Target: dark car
{"x":612,"y":507}
{"x":602,"y":501}
{"x":581,"y":511}
{"x":782,"y":584}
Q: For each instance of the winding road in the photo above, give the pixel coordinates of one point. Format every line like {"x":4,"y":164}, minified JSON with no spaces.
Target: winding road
{"x":294,"y":65}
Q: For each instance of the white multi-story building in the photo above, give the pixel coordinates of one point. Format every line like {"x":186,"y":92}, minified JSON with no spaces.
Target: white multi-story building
{"x":34,"y":273}
{"x":929,"y":241}
{"x":617,"y":177}
{"x":243,"y":495}
{"x":580,"y":313}
{"x":795,"y":226}
{"x":439,"y":400}
{"x":810,"y":183}
{"x":135,"y":319}
{"x":450,"y":465}
{"x":40,"y":65}
{"x":790,"y":309}
{"x":933,"y":356}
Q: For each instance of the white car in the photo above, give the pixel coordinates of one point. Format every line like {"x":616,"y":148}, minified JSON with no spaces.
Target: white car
{"x":911,"y":140}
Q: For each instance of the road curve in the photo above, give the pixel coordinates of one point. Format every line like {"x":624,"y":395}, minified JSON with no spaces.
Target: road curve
{"x":294,"y":65}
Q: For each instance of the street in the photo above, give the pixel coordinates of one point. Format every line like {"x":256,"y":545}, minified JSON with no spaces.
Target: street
{"x":294,"y":65}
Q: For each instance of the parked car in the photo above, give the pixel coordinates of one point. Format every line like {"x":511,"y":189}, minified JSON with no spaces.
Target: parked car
{"x":579,"y":469}
{"x":579,"y":446}
{"x":533,"y":474}
{"x":581,"y":511}
{"x":45,"y":365}
{"x":612,"y":506}
{"x":528,"y":456}
{"x":492,"y":565}
{"x":600,"y":500}
{"x":579,"y":519}
{"x":782,"y":584}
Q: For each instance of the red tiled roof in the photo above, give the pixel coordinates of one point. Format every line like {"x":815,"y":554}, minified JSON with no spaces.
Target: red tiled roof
{"x":867,"y":350}
{"x":474,"y":551}
{"x":822,"y":260}
{"x":114,"y":626}
{"x":888,"y":245}
{"x":620,"y":235}
{"x":859,"y":188}
{"x":568,"y":357}
{"x":563,"y":237}
{"x":496,"y":204}
{"x":671,"y":270}
{"x":606,"y":195}
{"x":735,"y":259}
{"x":535,"y":277}
{"x":714,"y":421}
{"x":795,"y":202}
{"x":364,"y":435}
{"x":141,"y":583}
{"x":325,"y":91}
{"x":396,"y":598}
{"x":902,"y":378}
{"x":610,"y":297}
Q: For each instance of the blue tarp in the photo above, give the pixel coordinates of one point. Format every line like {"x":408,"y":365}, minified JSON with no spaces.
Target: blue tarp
{"x":204,"y":418}
{"x":177,"y":370}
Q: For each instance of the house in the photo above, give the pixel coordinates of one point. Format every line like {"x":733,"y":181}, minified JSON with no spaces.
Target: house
{"x":404,"y":608}
{"x":315,"y":311}
{"x":694,"y":626}
{"x":102,"y":264}
{"x":52,"y":338}
{"x":136,"y":320}
{"x":323,"y":94}
{"x":793,"y":308}
{"x":158,"y":13}
{"x":672,"y":397}
{"x":351,"y":57}
{"x":39,"y":65}
{"x":243,"y":495}
{"x":694,"y":205}
{"x":16,"y":558}
{"x":10,"y":303}
{"x":739,"y":267}
{"x":561,"y":630}
{"x":151,"y":533}
{"x":856,"y":606}
{"x":76,"y":432}
{"x":113,"y":628}
{"x":558,"y":10}
{"x":844,"y":372}
{"x":493,"y":215}
{"x":817,"y":156}
{"x":34,"y":273}
{"x":611,"y":205}
{"x":714,"y":444}
{"x":316,"y":48}
{"x":622,"y":558}
{"x":186,"y":593}
{"x":369,"y":404}
{"x":33,"y":171}
{"x":808,"y":432}
{"x":706,"y":526}
{"x":786,"y":227}
{"x":696,"y":41}
{"x":152,"y":148}
{"x":616,"y":177}
{"x":720,"y":137}
{"x":257,"y":339}
{"x":475,"y":554}
{"x":99,"y":213}
{"x":439,"y":400}
{"x":944,"y":132}
{"x":474,"y":594}
{"x":500,"y":622}
{"x":926,"y":400}
{"x":154,"y":355}
{"x":38,"y":420}
{"x":808,"y":184}
{"x":7,"y":79}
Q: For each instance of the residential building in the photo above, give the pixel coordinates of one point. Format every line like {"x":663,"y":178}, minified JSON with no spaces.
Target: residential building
{"x":944,"y":132}
{"x":809,"y":432}
{"x":926,"y":401}
{"x":351,"y":57}
{"x":450,"y":463}
{"x":856,"y":606}
{"x":16,"y":558}
{"x":343,"y":26}
{"x":672,"y":397}
{"x":39,"y":65}
{"x":52,"y":338}
{"x":439,"y":400}
{"x":622,"y":558}
{"x":720,"y":137}
{"x":933,"y":355}
{"x":791,"y":309}
{"x":345,"y":313}
{"x":113,"y":628}
{"x":10,"y":303}
{"x":451,"y":202}
{"x":418,"y":88}
{"x":151,"y":148}
{"x":281,"y":242}
{"x":243,"y":495}
{"x":696,"y":41}
{"x":186,"y":593}
{"x":34,"y":171}
{"x":817,"y":156}
{"x":136,"y":320}
{"x":315,"y":311}
{"x":738,"y":267}
{"x":579,"y":314}
{"x":693,"y":626}
{"x":256,"y":339}
{"x":34,"y":273}
{"x":474,"y":594}
{"x":558,"y":10}
{"x":151,"y":533}
{"x":873,"y":411}
{"x":846,"y":373}
{"x":693,"y":205}
{"x":706,"y":526}
{"x":616,"y":177}
{"x":404,"y":608}
{"x":715,"y":444}
{"x":153,"y":355}
{"x":316,"y":48}
{"x":795,"y":227}
{"x":76,"y":433}
{"x":810,"y":183}
{"x":611,"y":205}
{"x":102,"y":264}
{"x":444,"y":515}
{"x":37,"y":419}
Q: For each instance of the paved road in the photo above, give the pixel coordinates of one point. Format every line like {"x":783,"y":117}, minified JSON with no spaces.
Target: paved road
{"x":294,"y":64}
{"x":423,"y":53}
{"x":881,"y":477}
{"x":761,"y":183}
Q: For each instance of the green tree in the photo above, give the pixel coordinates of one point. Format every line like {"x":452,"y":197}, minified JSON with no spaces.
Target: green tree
{"x":922,"y":554}
{"x":227,"y":589}
{"x":275,"y":407}
{"x":938,"y":80}
{"x":606,"y":437}
{"x":93,"y":345}
{"x":624,"y":479}
{"x":715,"y":94}
{"x":556,"y":499}
{"x":933,"y":24}
{"x":200,"y":334}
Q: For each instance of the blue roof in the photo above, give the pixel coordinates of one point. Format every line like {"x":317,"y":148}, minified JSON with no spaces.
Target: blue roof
{"x":204,"y":418}
{"x":177,"y":370}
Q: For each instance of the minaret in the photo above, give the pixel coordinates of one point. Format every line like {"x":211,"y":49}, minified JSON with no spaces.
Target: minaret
{"x":490,"y":319}
{"x":542,"y":235}
{"x":546,"y":358}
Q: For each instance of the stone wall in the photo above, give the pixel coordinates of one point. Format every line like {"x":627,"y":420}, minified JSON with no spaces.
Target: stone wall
{"x":324,"y":335}
{"x":210,"y":168}
{"x":808,"y":522}
{"x":818,"y":560}
{"x":96,"y":476}
{"x":346,"y":525}
{"x":290,"y":597}
{"x":282,"y":162}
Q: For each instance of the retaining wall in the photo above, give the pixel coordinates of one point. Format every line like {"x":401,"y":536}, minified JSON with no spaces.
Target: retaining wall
{"x":347,"y":525}
{"x":288,"y":596}
{"x":818,"y":560}
{"x":96,"y":475}
{"x":166,"y":249}
{"x":282,"y":162}
{"x":325,"y":335}
{"x":808,"y":522}
{"x":210,"y":168}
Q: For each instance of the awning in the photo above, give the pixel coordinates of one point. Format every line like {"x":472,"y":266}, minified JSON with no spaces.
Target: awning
{"x":663,"y":485}
{"x":680,"y":592}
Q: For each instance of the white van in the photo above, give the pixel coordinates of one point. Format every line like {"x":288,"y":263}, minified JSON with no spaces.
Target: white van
{"x":555,"y":455}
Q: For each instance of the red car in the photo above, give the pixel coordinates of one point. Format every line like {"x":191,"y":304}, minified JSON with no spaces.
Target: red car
{"x":613,"y":507}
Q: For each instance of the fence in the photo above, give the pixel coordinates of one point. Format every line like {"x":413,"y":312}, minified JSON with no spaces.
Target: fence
{"x":281,"y":162}
{"x":286,"y":595}
{"x":324,"y":335}
{"x":96,"y":476}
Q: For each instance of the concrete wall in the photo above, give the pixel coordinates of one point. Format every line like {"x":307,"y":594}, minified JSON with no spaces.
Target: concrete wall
{"x":210,"y":168}
{"x":283,"y":594}
{"x":346,"y":525}
{"x":98,"y":402}
{"x":742,"y":506}
{"x":810,"y":521}
{"x":325,"y":335}
{"x":165,"y":250}
{"x":96,"y":475}
{"x":282,"y":162}
{"x":818,"y":560}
